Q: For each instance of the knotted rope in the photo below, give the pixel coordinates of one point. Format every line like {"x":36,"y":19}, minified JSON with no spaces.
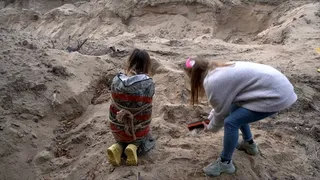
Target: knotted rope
{"x":126,"y":118}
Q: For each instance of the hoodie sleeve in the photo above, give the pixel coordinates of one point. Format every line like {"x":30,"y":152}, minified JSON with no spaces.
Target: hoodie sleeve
{"x":221,"y":106}
{"x":213,"y":127}
{"x":220,"y":95}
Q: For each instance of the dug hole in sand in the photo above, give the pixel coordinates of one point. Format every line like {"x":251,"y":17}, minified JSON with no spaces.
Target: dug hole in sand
{"x":54,"y":104}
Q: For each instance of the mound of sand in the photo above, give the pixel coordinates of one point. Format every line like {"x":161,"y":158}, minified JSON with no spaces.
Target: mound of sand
{"x":54,"y":104}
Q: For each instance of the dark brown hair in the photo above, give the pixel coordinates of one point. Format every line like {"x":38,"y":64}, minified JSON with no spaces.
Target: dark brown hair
{"x":197,"y":74}
{"x":139,"y":62}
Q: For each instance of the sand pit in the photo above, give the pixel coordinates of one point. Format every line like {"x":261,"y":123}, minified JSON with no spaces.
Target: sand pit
{"x":66,"y":138}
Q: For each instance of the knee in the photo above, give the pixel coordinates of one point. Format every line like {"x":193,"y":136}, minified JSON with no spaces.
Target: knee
{"x":230,"y":124}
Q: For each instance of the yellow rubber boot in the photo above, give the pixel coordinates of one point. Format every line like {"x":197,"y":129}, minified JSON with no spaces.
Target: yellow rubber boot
{"x":131,"y":152}
{"x":114,"y":154}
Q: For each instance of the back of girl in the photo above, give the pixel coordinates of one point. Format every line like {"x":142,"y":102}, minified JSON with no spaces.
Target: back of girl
{"x":131,"y":110}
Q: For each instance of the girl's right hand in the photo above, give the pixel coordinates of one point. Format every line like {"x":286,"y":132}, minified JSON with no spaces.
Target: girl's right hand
{"x":205,"y":129}
{"x":213,"y":128}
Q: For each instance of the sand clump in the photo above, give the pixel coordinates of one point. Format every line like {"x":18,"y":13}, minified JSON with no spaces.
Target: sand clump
{"x":54,"y":104}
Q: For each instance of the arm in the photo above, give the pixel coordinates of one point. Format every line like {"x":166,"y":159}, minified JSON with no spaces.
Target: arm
{"x":213,"y":126}
{"x":221,"y":102}
{"x":220,"y":94}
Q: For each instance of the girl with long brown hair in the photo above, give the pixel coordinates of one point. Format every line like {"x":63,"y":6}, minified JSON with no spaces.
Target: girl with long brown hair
{"x":239,"y":93}
{"x":131,"y":110}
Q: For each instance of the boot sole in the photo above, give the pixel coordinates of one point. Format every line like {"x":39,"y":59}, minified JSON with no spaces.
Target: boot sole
{"x":215,"y":175}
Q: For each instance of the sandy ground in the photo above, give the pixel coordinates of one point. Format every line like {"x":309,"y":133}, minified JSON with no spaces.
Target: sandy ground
{"x":47,"y":138}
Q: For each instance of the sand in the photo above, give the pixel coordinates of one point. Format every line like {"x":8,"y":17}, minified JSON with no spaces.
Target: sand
{"x":47,"y":138}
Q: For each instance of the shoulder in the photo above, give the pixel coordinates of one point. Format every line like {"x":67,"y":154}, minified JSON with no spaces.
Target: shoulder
{"x":227,"y":76}
{"x":220,"y":74}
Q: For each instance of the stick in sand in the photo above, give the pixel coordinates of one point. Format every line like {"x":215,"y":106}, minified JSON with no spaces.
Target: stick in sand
{"x":72,"y":49}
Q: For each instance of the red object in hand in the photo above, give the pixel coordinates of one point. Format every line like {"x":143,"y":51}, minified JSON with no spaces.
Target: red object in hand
{"x":197,"y":124}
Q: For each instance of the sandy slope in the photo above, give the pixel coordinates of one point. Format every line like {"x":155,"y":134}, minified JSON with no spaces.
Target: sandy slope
{"x":67,"y":138}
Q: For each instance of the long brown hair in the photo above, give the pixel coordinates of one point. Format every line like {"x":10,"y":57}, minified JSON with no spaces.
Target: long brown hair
{"x":139,"y":62}
{"x":197,"y":74}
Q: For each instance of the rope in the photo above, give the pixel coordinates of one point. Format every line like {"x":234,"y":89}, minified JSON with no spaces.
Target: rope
{"x":126,"y":118}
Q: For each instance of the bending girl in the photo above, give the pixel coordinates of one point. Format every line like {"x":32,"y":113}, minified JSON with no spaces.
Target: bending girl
{"x":240,"y":93}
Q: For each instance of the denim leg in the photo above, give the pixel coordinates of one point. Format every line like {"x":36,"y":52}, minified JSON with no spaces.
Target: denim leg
{"x":245,"y":129}
{"x":232,"y":123}
{"x":246,"y":133}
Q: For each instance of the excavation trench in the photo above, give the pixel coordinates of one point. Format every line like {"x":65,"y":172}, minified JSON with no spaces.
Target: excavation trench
{"x":237,"y":24}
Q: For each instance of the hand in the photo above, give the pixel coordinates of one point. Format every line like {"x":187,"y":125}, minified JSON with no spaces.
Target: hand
{"x":213,"y":128}
{"x":205,"y":129}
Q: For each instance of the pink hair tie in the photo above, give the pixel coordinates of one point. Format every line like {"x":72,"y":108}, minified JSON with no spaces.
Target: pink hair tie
{"x":190,"y":63}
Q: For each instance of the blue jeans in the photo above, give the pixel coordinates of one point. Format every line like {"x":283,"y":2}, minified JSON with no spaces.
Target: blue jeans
{"x":239,"y":118}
